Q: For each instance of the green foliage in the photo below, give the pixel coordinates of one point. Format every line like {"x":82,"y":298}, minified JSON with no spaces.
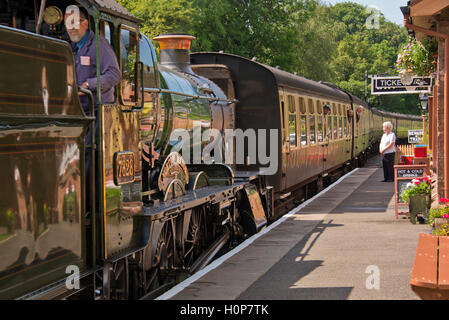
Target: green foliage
{"x":443,"y":230}
{"x":316,"y":40}
{"x":418,"y":57}
{"x":162,"y":16}
{"x":412,"y":189}
{"x":436,"y":213}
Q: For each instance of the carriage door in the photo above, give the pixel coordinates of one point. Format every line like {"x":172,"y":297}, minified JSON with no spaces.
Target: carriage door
{"x":285,"y":138}
{"x":121,"y":154}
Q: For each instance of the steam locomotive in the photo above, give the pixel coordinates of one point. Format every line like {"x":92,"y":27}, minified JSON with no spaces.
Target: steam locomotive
{"x":157,"y":205}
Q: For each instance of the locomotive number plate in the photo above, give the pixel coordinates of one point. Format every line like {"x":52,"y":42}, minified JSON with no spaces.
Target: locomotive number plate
{"x":123,"y":167}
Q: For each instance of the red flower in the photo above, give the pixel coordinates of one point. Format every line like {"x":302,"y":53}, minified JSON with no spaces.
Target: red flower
{"x":444,"y":200}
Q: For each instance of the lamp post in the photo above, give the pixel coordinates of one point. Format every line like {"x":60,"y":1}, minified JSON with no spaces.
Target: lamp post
{"x":424,"y":100}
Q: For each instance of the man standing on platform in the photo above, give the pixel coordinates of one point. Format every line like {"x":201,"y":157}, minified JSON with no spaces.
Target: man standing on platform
{"x":387,"y":149}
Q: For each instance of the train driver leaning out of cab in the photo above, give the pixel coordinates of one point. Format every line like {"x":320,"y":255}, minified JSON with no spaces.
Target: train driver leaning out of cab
{"x":83,"y":44}
{"x":387,"y":150}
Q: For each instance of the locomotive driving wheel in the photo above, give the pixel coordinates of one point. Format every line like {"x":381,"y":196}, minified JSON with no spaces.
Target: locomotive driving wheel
{"x":195,"y":242}
{"x":112,"y":282}
{"x":162,"y":260}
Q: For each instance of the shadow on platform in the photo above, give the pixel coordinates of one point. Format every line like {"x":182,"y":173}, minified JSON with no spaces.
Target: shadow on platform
{"x":280,"y":281}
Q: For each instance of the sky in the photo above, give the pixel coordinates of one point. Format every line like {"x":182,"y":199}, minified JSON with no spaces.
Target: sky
{"x":389,"y":8}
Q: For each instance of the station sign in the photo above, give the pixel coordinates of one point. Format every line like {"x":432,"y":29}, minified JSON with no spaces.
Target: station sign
{"x":415,"y":136}
{"x":394,"y":85}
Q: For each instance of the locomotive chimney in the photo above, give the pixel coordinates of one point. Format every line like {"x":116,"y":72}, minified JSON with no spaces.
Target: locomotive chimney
{"x":175,"y":51}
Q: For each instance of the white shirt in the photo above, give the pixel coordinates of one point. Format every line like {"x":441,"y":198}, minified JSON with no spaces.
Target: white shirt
{"x":386,"y":140}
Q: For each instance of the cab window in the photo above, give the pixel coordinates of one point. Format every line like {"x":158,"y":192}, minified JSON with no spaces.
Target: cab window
{"x":128,"y":65}
{"x":146,"y":55}
{"x":105,"y":31}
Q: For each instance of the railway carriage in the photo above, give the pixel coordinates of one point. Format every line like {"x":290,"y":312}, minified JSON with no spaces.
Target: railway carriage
{"x":154,"y":211}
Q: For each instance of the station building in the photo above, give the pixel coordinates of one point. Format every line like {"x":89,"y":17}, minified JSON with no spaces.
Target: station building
{"x":431,"y":18}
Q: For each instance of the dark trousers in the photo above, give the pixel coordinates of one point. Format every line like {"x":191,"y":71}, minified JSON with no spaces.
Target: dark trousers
{"x":388,"y":165}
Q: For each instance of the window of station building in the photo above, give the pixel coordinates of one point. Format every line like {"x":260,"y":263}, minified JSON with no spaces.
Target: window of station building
{"x":291,"y":104}
{"x":292,"y":129}
{"x":329,"y":127}
{"x":303,"y":124}
{"x":302,"y":105}
{"x":335,"y":127}
{"x":312,"y":129}
{"x":340,"y":110}
{"x":320,"y":128}
{"x":311,"y":107}
{"x":128,"y":64}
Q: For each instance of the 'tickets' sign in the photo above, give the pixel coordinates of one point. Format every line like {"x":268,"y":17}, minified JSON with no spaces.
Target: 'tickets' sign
{"x":394,"y":85}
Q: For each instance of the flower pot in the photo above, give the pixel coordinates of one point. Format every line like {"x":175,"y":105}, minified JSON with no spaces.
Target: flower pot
{"x":417,"y":204}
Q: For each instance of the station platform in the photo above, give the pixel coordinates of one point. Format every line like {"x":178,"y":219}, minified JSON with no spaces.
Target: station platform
{"x":329,"y":247}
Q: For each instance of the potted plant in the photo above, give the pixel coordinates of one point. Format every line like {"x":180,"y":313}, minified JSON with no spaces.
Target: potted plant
{"x":417,"y":58}
{"x":439,"y":216}
{"x":417,"y":194}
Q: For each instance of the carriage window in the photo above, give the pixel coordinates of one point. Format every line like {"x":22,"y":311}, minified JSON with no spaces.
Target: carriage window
{"x":291,"y":104}
{"x":329,"y":127}
{"x":292,"y":129}
{"x":311,"y":107}
{"x":320,"y":128}
{"x":319,"y":107}
{"x":283,"y":115}
{"x":303,"y":131}
{"x":340,"y":127}
{"x":302,"y":105}
{"x":128,"y":64}
{"x":312,"y":129}
{"x":345,"y":125}
{"x":335,"y":127}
